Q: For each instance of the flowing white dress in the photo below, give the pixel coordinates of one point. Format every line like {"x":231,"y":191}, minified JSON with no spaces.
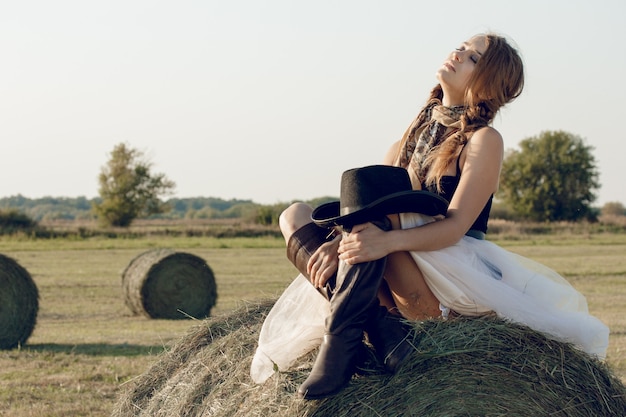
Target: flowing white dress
{"x":471,"y":277}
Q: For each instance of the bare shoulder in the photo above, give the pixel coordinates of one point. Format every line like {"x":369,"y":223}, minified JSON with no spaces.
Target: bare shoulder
{"x":486,"y":140}
{"x":487,"y":134}
{"x":484,"y":148}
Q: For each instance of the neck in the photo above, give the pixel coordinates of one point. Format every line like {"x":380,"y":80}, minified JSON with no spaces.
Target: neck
{"x":449,"y":99}
{"x":451,"y":103}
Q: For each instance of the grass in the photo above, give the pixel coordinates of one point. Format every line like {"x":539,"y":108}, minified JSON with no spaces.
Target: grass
{"x":87,"y":344}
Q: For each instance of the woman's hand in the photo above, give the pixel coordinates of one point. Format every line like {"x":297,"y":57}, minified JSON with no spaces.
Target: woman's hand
{"x":366,"y":242}
{"x":324,"y":263}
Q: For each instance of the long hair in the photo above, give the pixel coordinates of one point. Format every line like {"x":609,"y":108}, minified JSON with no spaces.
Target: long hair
{"x":497,"y":79}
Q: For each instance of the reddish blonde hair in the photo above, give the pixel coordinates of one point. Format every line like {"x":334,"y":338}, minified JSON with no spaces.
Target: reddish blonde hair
{"x":497,"y":79}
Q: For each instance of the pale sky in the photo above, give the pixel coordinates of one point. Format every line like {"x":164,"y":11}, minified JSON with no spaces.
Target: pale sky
{"x":273,"y":100}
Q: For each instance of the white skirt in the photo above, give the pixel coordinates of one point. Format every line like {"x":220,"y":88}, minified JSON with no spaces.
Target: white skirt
{"x":474,"y":276}
{"x":471,"y":277}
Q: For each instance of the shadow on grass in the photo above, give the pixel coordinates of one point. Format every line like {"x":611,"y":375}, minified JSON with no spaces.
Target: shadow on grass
{"x":96,"y":349}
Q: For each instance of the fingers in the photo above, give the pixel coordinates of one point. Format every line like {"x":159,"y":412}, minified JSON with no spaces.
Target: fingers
{"x":349,"y":258}
{"x":322,"y":278}
{"x":365,"y":243}
{"x":314,"y":265}
{"x":320,"y":269}
{"x":350,"y":245}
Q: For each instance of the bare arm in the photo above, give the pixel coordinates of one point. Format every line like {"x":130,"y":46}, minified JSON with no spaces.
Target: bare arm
{"x":481,"y":161}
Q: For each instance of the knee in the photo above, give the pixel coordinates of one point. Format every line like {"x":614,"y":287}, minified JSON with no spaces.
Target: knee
{"x":294,"y":217}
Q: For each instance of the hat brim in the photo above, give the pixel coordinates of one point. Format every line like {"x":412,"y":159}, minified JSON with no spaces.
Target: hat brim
{"x":413,"y":201}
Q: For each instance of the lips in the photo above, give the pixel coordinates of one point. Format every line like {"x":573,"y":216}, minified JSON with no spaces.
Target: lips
{"x":449,"y":66}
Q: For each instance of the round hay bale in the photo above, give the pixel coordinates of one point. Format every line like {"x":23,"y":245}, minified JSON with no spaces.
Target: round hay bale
{"x":462,"y":367}
{"x":19,"y":304}
{"x":163,"y":283}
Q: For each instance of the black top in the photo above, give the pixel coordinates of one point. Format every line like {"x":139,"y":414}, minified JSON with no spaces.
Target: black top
{"x":449,"y":183}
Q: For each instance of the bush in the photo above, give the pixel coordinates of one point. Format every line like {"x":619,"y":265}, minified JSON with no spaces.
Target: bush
{"x":613,"y":208}
{"x":12,"y":221}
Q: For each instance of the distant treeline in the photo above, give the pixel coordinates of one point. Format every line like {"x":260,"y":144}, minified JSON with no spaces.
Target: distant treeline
{"x":80,"y":208}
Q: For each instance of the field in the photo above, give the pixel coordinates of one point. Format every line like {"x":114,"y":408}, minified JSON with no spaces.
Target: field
{"x":87,"y":344}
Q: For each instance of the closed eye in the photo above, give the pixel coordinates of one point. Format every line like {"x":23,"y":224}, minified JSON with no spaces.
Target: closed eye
{"x":474,"y":57}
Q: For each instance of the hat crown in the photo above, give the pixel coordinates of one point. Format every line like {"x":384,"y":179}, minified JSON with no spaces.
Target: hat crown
{"x":360,"y":187}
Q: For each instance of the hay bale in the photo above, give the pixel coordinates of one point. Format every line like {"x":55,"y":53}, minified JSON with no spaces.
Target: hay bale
{"x":19,"y":304}
{"x":162,"y":283}
{"x":462,"y":367}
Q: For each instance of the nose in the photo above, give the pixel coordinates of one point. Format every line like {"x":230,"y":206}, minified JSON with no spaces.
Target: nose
{"x":456,"y":56}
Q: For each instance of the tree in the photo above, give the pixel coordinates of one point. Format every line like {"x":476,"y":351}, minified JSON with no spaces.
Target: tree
{"x":613,"y":208}
{"x":128,"y":189}
{"x":552,"y":177}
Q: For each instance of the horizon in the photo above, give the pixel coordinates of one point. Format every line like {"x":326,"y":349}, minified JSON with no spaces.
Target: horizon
{"x":238,"y":200}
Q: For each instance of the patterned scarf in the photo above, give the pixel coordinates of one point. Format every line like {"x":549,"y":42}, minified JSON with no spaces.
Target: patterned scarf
{"x":425,"y":133}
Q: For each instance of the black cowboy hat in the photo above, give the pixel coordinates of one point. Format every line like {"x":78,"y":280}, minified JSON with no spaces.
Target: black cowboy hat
{"x":373,"y":191}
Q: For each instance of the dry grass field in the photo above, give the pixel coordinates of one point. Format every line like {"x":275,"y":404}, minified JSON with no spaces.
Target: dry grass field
{"x":87,"y":344}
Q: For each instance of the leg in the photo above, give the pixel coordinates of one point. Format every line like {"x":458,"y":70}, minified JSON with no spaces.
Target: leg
{"x":353,"y":294}
{"x":386,"y":299}
{"x":355,"y":308}
{"x":293,"y":218}
{"x":408,"y":288}
{"x":353,"y":303}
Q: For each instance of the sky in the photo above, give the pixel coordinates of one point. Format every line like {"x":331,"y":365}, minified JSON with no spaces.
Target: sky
{"x":272,"y":100}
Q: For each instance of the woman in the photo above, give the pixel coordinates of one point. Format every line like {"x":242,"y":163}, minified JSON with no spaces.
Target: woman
{"x":442,"y":267}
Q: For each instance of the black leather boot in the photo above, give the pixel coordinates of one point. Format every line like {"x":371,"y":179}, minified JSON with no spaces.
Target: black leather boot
{"x":389,"y":336}
{"x":342,"y":342}
{"x":350,"y":307}
{"x":385,"y":332}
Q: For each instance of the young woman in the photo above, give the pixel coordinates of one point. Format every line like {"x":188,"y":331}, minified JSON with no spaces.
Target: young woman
{"x":442,"y":267}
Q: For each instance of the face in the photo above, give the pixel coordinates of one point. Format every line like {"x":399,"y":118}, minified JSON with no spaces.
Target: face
{"x":456,"y":71}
